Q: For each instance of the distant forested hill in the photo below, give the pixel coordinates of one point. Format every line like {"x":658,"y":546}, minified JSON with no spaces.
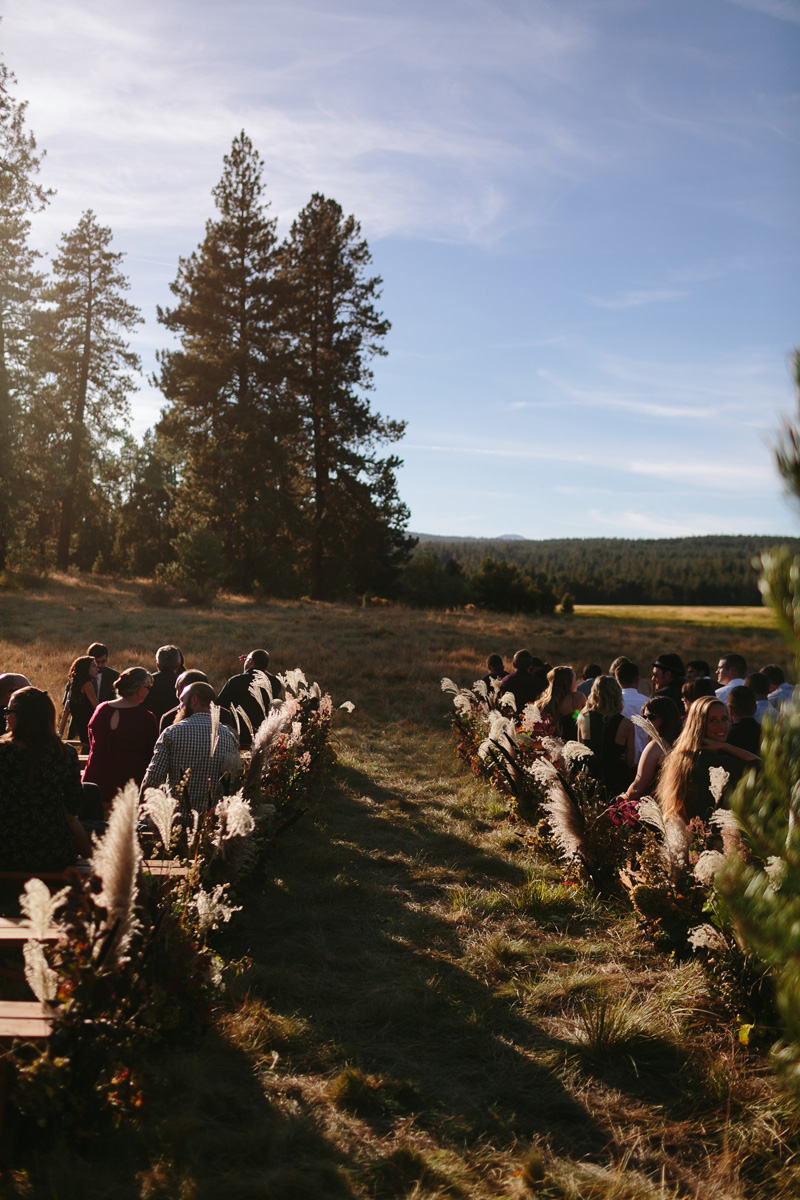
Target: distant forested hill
{"x":692,"y":570}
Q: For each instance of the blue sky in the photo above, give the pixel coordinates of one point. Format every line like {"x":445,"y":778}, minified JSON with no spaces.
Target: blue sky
{"x":584,"y":212}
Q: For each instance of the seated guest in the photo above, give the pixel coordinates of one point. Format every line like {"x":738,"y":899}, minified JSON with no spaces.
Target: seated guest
{"x":169,"y":660}
{"x":9,"y":682}
{"x":779,"y":690}
{"x":693,"y":689}
{"x":684,"y":785}
{"x":561,"y":702}
{"x":667,"y":676}
{"x":524,"y":682}
{"x":186,"y":746}
{"x":183,"y":680}
{"x":745,"y":730}
{"x":731,"y":671}
{"x":80,"y":699}
{"x":106,"y":675}
{"x":588,"y":675}
{"x":122,"y":734}
{"x":698,"y":668}
{"x":663,"y":715}
{"x":626,"y":674}
{"x":759,"y":685}
{"x":495,"y":669}
{"x":40,"y":789}
{"x":609,"y":735}
{"x":237,"y":692}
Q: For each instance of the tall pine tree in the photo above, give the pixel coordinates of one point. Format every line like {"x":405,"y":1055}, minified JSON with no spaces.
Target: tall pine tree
{"x":356,"y":518}
{"x":227,"y":414}
{"x":89,"y":367}
{"x":20,"y":283}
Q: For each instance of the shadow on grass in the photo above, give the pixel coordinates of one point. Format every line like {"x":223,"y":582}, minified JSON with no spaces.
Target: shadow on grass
{"x":347,"y":938}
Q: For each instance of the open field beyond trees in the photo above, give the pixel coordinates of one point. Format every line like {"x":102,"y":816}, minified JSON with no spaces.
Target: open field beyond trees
{"x":424,"y":1008}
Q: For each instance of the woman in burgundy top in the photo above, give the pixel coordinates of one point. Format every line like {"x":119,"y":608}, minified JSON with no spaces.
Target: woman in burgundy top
{"x":122,"y":735}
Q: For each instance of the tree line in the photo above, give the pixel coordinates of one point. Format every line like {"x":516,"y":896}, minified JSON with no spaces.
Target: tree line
{"x":264,"y":471}
{"x":692,"y":570}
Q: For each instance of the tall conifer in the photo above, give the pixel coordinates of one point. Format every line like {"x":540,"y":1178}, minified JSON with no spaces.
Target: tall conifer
{"x":335,"y":330}
{"x":20,"y":195}
{"x":226,"y":413}
{"x":89,"y":362}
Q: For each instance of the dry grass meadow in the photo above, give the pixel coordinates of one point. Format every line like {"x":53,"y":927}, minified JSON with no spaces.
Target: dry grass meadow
{"x":425,"y":1010}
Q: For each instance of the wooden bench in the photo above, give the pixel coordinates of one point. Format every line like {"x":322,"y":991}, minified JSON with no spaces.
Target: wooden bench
{"x":27,"y":1019}
{"x":162,"y":868}
{"x":14,"y":930}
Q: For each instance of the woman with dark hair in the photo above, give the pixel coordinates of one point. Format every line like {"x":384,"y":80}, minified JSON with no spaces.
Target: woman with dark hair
{"x":609,"y":735}
{"x":562,"y":702}
{"x":80,"y":698}
{"x":663,"y":715}
{"x":122,"y":734}
{"x":40,"y":789}
{"x":684,"y":786}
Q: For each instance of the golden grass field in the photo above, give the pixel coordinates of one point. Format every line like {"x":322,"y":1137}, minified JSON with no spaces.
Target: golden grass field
{"x":425,"y":1010}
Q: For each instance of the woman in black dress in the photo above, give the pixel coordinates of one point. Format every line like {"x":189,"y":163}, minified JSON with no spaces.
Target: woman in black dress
{"x":40,"y":789}
{"x":609,"y":735}
{"x":80,"y":699}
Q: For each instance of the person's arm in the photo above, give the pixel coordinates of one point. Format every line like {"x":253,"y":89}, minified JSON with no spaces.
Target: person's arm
{"x":89,"y":693}
{"x":583,"y":727}
{"x":651,"y":757}
{"x":729,"y":748}
{"x":578,"y":700}
{"x":626,"y":736}
{"x":82,"y":840}
{"x":158,"y":770}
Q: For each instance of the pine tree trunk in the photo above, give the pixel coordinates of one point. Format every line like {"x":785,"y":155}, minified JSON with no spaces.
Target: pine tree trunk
{"x":76,"y":440}
{"x":5,"y":448}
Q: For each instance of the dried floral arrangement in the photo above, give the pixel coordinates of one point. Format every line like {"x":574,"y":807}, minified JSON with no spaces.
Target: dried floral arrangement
{"x":132,"y":964}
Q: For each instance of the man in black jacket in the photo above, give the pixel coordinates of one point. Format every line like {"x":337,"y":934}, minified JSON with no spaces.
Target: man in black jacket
{"x":668,"y":677}
{"x":237,"y":692}
{"x":161,"y":697}
{"x":104,"y":684}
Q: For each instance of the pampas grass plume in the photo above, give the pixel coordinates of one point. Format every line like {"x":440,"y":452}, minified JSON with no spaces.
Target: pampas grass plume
{"x":116,"y":861}
{"x":39,"y":906}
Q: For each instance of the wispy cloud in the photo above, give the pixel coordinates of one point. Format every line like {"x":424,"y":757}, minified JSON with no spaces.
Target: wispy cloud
{"x":782,"y":10}
{"x":636,"y":298}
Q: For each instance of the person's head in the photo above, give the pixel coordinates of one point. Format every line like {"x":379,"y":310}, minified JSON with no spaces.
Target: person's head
{"x":169,"y":658}
{"x":257,"y":660}
{"x":522,"y":660}
{"x":693,"y":689}
{"x":135,"y":682}
{"x":730,"y":666}
{"x":590,"y":671}
{"x":82,"y":670}
{"x":494,"y":664}
{"x":30,"y":718}
{"x":668,"y":668}
{"x":698,"y":668}
{"x":707,"y":718}
{"x":187,"y":677}
{"x":621,"y":658}
{"x":197,"y":697}
{"x":773,"y":672}
{"x":742,"y":702}
{"x":605,"y":697}
{"x":758,"y":683}
{"x":662,"y":712}
{"x":99,"y":653}
{"x":626,"y":673}
{"x":560,"y":684}
{"x":10,"y":682}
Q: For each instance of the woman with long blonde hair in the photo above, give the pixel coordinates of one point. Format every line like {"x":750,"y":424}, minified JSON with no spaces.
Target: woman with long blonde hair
{"x":684,"y":785}
{"x":609,"y":735}
{"x":561,"y":702}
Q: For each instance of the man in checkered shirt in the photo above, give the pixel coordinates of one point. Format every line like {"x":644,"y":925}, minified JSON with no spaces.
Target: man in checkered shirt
{"x":186,"y":745}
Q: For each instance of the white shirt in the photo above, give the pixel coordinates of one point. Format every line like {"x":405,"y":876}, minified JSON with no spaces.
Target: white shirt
{"x":726,"y":689}
{"x":633,"y":703}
